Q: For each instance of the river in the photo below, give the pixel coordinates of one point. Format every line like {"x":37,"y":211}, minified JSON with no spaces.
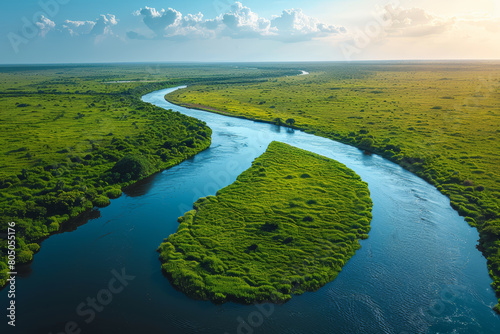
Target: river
{"x":419,"y":271}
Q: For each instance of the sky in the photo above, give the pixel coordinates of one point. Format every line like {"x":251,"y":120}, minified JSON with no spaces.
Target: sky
{"x":90,"y":31}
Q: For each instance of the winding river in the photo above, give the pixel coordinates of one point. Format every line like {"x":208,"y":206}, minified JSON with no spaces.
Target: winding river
{"x":419,"y":272}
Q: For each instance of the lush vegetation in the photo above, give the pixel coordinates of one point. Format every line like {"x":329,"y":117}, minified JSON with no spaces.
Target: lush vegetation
{"x":70,"y":142}
{"x":305,"y":217}
{"x":73,"y":135}
{"x":438,"y":120}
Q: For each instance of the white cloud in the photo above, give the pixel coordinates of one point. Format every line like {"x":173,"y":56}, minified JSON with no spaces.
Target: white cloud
{"x":241,"y":22}
{"x":191,"y":25}
{"x":418,"y":33}
{"x":77,"y":28}
{"x":158,"y":21}
{"x":490,"y":24}
{"x":415,"y":22}
{"x":45,"y":25}
{"x":418,"y":22}
{"x":238,"y":22}
{"x":294,"y":25}
{"x":103,"y":25}
{"x":99,"y":27}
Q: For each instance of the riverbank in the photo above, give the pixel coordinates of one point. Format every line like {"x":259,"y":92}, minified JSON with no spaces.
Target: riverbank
{"x":277,"y":122}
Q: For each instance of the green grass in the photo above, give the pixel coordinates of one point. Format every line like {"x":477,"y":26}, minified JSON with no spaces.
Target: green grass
{"x":438,"y":120}
{"x":286,"y":225}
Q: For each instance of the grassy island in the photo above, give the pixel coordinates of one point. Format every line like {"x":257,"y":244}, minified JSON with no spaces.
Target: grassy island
{"x":287,"y":225}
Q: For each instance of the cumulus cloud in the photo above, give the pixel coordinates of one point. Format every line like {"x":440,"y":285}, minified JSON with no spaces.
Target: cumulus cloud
{"x":415,"y":22}
{"x":99,"y":27}
{"x":158,"y":21}
{"x":239,"y":21}
{"x":293,"y":24}
{"x":192,"y":26}
{"x":490,"y":24}
{"x":45,"y":25}
{"x":103,"y":25}
{"x":77,"y":28}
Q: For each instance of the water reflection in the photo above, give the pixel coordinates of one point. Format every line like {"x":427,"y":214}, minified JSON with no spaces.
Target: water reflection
{"x":74,"y":223}
{"x":140,"y":188}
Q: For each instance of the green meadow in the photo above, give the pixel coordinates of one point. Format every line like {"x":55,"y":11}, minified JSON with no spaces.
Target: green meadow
{"x":440,"y":120}
{"x":287,"y":225}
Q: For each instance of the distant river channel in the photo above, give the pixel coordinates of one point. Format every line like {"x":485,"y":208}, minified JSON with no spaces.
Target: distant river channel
{"x":418,"y":272}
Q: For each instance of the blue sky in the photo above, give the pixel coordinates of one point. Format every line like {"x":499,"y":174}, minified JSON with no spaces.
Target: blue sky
{"x":72,"y":31}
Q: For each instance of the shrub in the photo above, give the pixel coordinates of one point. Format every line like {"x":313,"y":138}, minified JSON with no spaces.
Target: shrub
{"x":133,"y":167}
{"x":24,"y":256}
{"x":34,"y":247}
{"x":366,"y":143}
{"x":114,"y":193}
{"x":101,"y":201}
{"x":253,"y":247}
{"x":213,"y":265}
{"x":189,"y":142}
{"x":269,"y":227}
{"x":53,"y":227}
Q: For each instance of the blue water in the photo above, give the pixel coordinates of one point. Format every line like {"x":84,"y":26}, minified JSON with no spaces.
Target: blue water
{"x":419,"y":272}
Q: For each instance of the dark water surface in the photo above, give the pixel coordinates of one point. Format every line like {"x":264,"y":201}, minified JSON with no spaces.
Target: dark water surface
{"x":419,"y":272}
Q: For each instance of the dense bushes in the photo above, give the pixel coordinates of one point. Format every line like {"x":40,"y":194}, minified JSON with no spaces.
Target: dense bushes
{"x":56,"y":184}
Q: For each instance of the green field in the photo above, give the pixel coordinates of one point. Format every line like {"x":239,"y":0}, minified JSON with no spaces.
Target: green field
{"x":438,"y":120}
{"x":286,"y":225}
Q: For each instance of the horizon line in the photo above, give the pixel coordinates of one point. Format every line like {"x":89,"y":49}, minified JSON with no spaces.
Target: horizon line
{"x":253,"y":62}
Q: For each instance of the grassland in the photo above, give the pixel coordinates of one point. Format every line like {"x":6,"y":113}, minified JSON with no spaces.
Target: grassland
{"x":287,"y":225}
{"x":438,"y":120}
{"x":73,"y":135}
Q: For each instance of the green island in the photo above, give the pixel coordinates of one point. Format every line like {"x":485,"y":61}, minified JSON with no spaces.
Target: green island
{"x":439,"y":120}
{"x":287,"y":225}
{"x":72,"y":136}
